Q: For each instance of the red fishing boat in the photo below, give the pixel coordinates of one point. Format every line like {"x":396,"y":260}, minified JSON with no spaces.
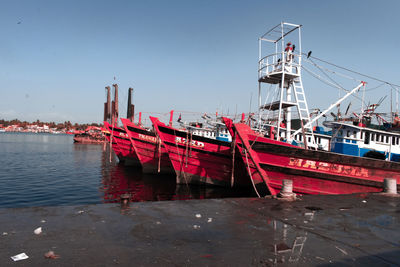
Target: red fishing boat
{"x":91,"y":135}
{"x":313,"y":171}
{"x":122,"y":146}
{"x":200,"y":160}
{"x":270,"y":160}
{"x":149,"y":150}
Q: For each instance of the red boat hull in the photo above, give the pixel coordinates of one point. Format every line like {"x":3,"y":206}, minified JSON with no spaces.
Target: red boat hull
{"x":312,"y":172}
{"x":199,"y":160}
{"x":122,"y":146}
{"x":152,"y":155}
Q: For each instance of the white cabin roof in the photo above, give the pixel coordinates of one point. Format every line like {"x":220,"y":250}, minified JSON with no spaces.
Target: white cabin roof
{"x":343,"y":124}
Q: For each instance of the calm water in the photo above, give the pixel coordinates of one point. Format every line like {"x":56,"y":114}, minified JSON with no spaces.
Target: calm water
{"x":49,"y":170}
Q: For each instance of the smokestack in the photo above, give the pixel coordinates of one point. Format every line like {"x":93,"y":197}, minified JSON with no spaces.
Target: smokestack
{"x":130,"y":111}
{"x":107,"y":105}
{"x":115,"y":105}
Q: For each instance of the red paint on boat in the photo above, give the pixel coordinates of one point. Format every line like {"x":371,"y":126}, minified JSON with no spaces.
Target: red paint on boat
{"x":312,"y":171}
{"x":150,"y":152}
{"x":200,"y":160}
{"x":122,"y":145}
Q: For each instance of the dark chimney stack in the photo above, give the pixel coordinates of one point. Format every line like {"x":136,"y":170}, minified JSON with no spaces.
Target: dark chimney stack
{"x":130,"y":111}
{"x":107,"y":106}
{"x":115,"y":106}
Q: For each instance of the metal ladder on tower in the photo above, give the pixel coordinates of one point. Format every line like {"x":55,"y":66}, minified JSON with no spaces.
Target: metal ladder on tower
{"x":304,"y":114}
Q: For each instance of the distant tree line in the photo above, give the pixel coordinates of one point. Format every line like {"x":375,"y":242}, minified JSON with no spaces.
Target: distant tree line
{"x":63,"y":125}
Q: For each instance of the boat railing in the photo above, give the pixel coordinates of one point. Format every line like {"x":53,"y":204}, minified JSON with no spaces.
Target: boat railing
{"x":278,"y":63}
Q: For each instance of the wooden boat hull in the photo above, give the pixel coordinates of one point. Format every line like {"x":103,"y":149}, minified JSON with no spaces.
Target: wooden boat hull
{"x":87,"y":139}
{"x":114,"y":145}
{"x":122,"y":146}
{"x":199,"y":160}
{"x":151,"y":154}
{"x":312,"y":171}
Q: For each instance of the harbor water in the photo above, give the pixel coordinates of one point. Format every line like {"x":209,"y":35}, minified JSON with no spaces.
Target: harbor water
{"x":50,"y":170}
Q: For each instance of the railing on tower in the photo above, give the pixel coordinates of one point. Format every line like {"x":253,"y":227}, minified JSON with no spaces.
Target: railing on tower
{"x":279,"y":62}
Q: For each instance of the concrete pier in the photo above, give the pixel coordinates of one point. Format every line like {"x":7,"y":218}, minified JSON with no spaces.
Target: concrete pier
{"x":359,"y":229}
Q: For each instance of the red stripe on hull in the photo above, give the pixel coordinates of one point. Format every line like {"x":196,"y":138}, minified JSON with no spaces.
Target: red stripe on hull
{"x":153,"y":159}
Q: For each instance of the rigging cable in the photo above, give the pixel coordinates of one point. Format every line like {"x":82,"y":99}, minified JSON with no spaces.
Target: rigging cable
{"x":358,"y":73}
{"x":327,"y":82}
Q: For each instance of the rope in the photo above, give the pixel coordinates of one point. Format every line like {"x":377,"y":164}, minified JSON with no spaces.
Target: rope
{"x":159,"y":153}
{"x":323,"y":72}
{"x":233,"y":145}
{"x":180,"y":160}
{"x":334,"y":72}
{"x":248,"y":170}
{"x":186,"y":149}
{"x":329,"y":83}
{"x":376,"y":87}
{"x":112,"y":132}
{"x":355,"y":72}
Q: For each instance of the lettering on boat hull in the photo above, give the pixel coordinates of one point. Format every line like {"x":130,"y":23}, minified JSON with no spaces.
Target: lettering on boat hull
{"x":329,"y":167}
{"x":194,"y":143}
{"x":148,"y":138}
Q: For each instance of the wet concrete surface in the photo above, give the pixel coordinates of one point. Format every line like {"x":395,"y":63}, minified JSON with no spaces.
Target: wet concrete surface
{"x":353,"y":230}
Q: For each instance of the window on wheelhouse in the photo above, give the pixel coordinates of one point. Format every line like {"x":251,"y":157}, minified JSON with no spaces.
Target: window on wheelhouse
{"x":366,"y":140}
{"x":393,"y":140}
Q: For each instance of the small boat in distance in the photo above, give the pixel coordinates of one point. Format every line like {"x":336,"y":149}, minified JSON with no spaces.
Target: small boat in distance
{"x":91,"y":135}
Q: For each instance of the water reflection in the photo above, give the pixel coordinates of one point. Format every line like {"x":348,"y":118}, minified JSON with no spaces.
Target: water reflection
{"x":288,"y":242}
{"x":118,"y":179}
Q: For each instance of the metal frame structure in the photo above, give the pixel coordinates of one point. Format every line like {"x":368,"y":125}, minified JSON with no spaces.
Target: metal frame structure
{"x":283,"y":68}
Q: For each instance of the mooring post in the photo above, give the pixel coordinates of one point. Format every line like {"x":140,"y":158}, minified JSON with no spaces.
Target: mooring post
{"x":390,"y":186}
{"x":287,"y":190}
{"x":125,"y":198}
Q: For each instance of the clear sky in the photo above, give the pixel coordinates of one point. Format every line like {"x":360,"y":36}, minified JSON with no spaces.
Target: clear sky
{"x":56,"y":57}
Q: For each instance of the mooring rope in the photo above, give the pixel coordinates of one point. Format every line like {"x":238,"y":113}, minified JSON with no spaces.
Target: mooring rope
{"x":249,"y":171}
{"x":180,"y":160}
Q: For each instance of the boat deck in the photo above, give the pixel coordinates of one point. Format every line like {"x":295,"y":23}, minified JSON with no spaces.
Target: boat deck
{"x":359,"y":229}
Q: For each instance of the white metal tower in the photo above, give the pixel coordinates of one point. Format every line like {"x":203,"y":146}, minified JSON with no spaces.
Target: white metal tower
{"x":280,"y":65}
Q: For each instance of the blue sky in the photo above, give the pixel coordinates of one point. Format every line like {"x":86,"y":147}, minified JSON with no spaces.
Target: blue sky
{"x":56,"y":57}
